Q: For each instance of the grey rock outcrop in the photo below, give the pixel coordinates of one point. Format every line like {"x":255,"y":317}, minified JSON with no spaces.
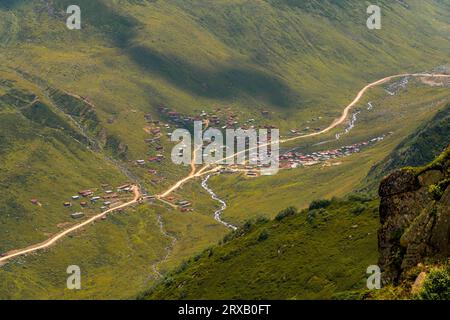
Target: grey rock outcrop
{"x":415,"y":218}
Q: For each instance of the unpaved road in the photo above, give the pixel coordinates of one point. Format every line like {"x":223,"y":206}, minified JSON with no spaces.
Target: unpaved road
{"x":203,"y":171}
{"x":54,"y":239}
{"x":333,"y":125}
{"x":359,"y":96}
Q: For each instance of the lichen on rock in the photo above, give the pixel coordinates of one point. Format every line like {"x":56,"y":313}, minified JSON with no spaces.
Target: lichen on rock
{"x":415,"y":225}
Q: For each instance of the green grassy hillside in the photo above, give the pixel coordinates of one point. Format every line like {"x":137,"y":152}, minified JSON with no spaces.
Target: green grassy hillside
{"x":418,"y":149}
{"x":295,"y":59}
{"x":302,"y":61}
{"x":43,"y":157}
{"x":265,"y":196}
{"x":317,"y":253}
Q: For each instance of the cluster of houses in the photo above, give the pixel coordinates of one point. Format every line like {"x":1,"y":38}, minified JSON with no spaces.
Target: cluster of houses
{"x":251,"y":171}
{"x":294,"y":159}
{"x":396,"y":86}
{"x":296,"y":131}
{"x":154,"y":159}
{"x":225,"y":118}
{"x":177,"y":117}
{"x":230,"y":119}
{"x":155,"y":131}
{"x":154,"y":127}
{"x":184,"y":205}
{"x":154,"y":141}
{"x":108,"y":198}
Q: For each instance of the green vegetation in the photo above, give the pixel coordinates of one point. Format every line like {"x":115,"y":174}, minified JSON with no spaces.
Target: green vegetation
{"x":434,"y":287}
{"x":116,"y":257}
{"x":43,"y":157}
{"x":440,"y":163}
{"x":286,"y":213}
{"x":299,"y":60}
{"x":284,"y":258}
{"x":418,"y":149}
{"x":319,"y":204}
{"x":437,"y":285}
{"x":289,"y":258}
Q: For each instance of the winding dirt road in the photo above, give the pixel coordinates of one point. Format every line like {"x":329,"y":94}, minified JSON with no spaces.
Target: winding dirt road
{"x":359,"y":96}
{"x":203,"y":171}
{"x":55,"y":238}
{"x":333,"y":125}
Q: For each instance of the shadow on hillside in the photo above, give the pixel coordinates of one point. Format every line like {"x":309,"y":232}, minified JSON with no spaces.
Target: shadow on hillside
{"x":221,"y":83}
{"x":11,"y":4}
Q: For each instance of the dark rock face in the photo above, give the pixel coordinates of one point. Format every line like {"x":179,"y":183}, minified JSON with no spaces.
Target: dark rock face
{"x":415,"y":225}
{"x":398,"y":182}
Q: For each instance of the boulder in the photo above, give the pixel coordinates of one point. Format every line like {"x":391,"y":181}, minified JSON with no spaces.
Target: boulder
{"x":414,"y":225}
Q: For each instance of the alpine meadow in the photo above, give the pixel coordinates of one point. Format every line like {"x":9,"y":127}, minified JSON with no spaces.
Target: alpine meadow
{"x":351,"y":97}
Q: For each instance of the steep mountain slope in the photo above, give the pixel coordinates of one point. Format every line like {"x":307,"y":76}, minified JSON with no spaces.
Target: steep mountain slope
{"x":413,"y":240}
{"x":296,"y":60}
{"x":418,"y":149}
{"x":415,"y":218}
{"x":52,"y":145}
{"x":45,"y":157}
{"x":337,"y":177}
{"x":312,"y":254}
{"x":323,"y":252}
{"x":286,"y":56}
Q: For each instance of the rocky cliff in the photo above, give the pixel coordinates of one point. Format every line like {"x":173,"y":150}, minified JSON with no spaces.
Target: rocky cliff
{"x":415,"y":218}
